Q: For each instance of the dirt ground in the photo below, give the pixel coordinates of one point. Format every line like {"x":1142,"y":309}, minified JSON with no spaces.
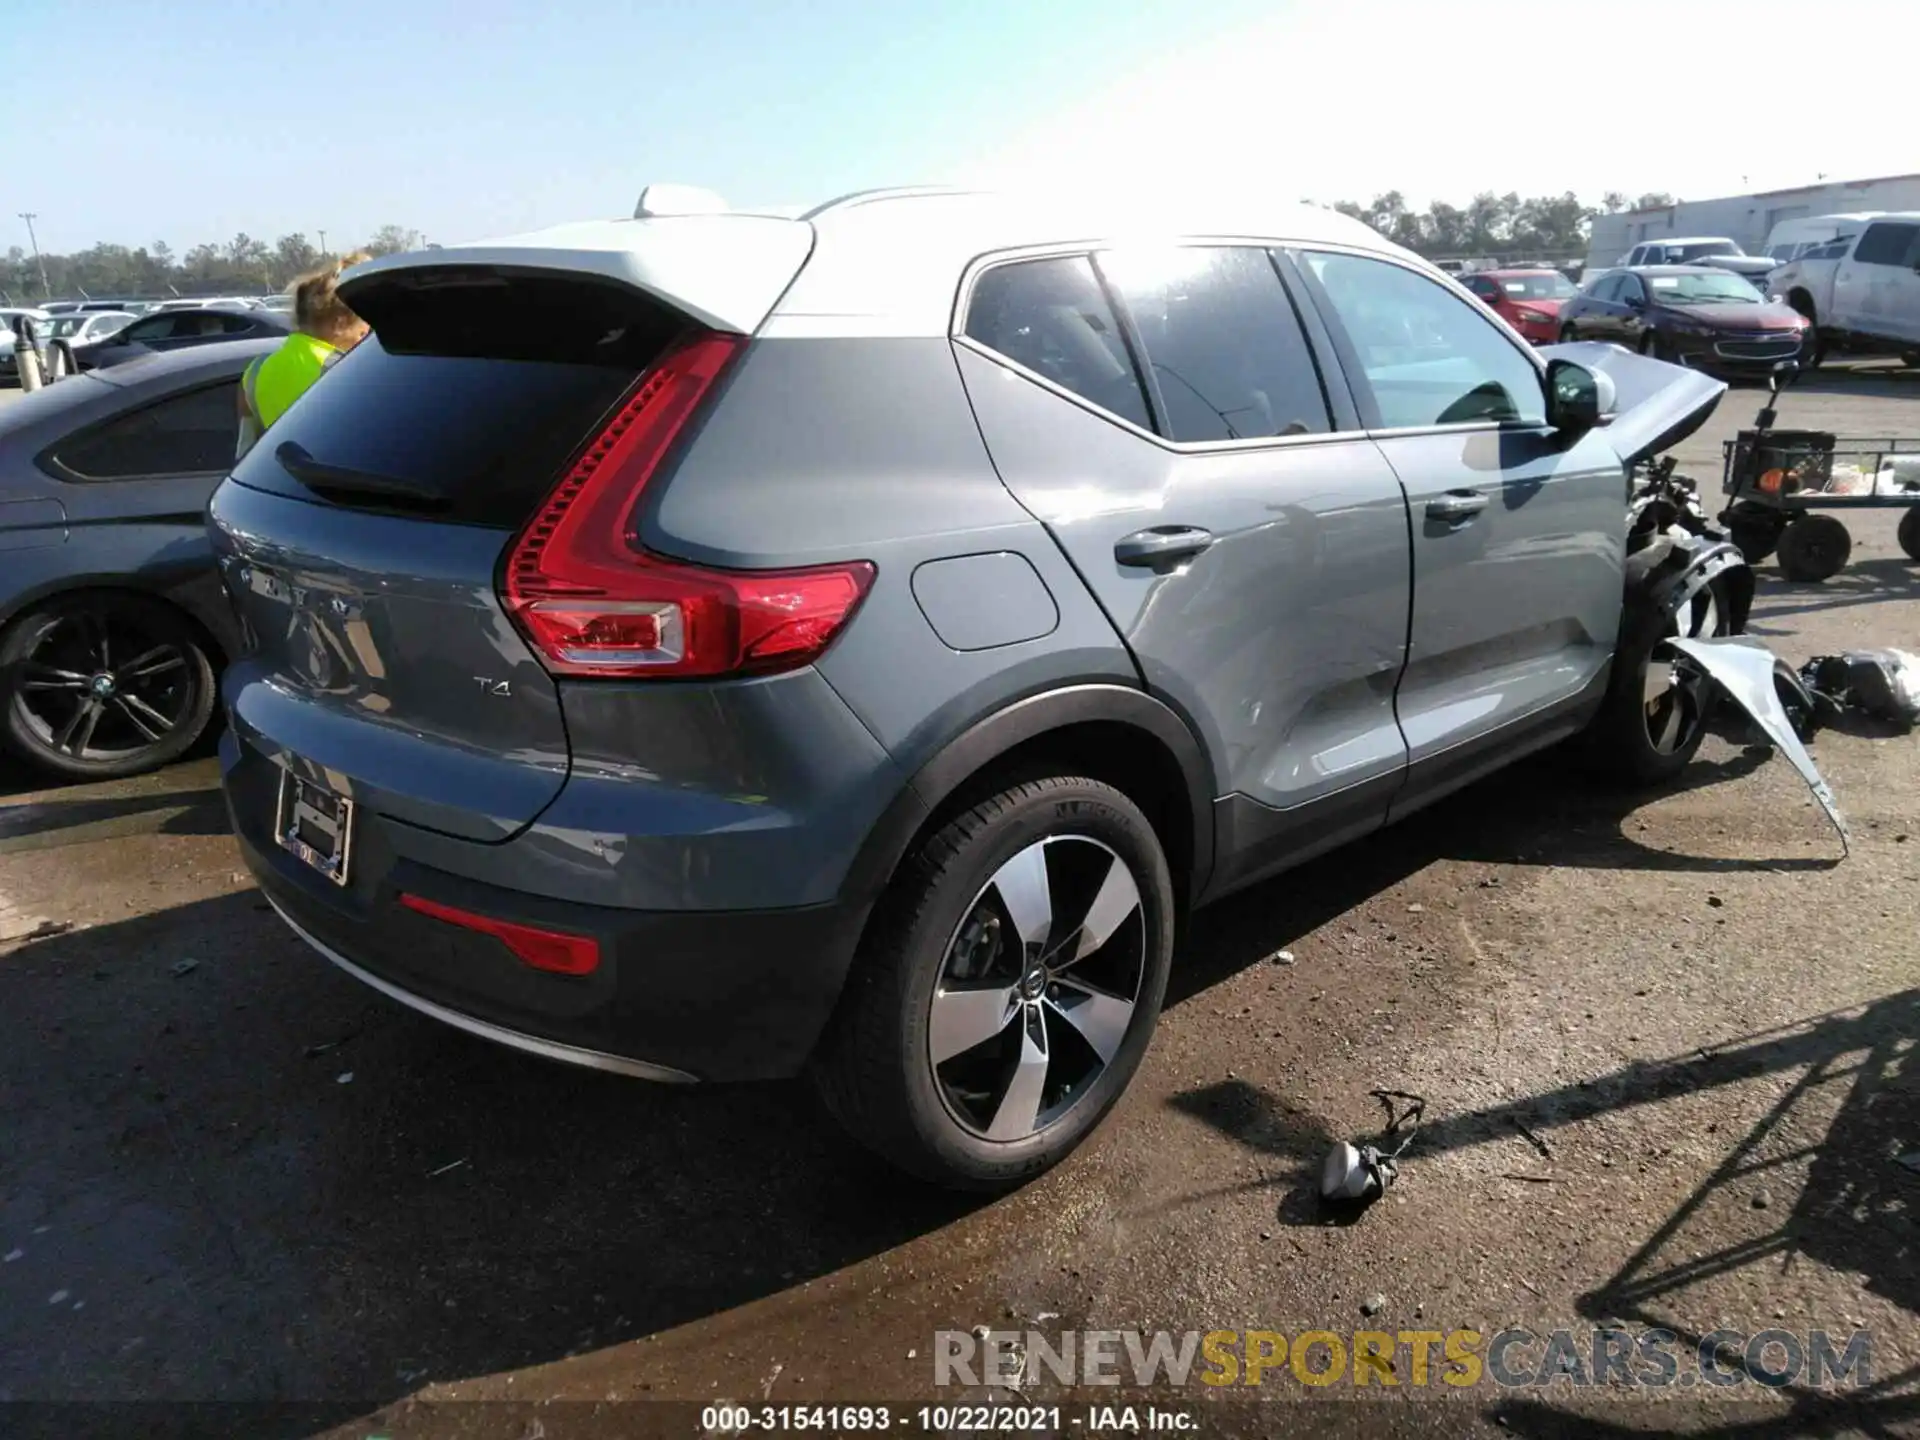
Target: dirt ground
{"x":1664,"y":1044}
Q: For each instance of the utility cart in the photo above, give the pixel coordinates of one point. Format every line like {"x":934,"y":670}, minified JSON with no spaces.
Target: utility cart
{"x":1776,"y":479}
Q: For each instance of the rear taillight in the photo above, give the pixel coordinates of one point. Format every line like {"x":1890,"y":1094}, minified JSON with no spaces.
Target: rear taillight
{"x":556,"y":951}
{"x":592,"y":601}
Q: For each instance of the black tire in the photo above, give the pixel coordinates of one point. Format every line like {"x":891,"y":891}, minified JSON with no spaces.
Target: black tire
{"x":1812,"y":347}
{"x":876,"y":1068}
{"x":1568,"y":335}
{"x":1629,"y":742}
{"x":1758,"y":536}
{"x":148,"y":712}
{"x":1909,"y":533}
{"x":1814,"y":548}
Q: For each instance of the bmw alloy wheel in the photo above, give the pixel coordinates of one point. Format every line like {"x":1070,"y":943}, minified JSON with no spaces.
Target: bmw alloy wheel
{"x":100,"y":686}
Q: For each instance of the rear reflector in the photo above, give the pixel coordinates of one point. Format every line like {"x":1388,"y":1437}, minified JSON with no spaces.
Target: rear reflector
{"x":551,"y":950}
{"x":592,"y":601}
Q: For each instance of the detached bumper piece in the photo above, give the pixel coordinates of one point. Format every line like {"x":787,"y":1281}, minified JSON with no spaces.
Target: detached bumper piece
{"x":1753,"y":677}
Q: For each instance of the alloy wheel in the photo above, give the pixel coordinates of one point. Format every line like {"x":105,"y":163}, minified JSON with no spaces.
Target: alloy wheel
{"x":99,"y":687}
{"x":1038,"y":987}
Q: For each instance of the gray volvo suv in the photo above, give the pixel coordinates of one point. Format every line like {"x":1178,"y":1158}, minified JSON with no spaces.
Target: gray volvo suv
{"x":725,"y":645}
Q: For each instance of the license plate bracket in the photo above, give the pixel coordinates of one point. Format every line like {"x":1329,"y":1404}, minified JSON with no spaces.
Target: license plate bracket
{"x":315,"y":825}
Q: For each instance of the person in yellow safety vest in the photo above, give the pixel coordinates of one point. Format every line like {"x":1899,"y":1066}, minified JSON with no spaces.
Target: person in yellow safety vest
{"x":325,"y":328}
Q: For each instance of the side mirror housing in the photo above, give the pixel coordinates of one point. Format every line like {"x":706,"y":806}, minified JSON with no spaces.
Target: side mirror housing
{"x":1578,"y":399}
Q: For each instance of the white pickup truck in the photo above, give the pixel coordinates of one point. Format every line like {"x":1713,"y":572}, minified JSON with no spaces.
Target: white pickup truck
{"x":1861,"y":291}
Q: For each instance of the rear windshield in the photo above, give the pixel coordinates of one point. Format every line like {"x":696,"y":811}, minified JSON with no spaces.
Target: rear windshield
{"x":473,"y":392}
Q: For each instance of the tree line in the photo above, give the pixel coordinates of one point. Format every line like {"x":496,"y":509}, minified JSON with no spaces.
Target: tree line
{"x":1489,"y":224}
{"x":1548,"y":226}
{"x":243,"y":266}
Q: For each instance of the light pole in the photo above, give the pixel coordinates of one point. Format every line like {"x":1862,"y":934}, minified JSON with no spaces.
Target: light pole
{"x":323,"y":244}
{"x":46,"y":290}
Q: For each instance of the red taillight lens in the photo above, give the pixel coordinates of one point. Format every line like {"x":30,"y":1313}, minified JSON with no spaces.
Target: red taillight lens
{"x":551,"y":950}
{"x":592,"y":601}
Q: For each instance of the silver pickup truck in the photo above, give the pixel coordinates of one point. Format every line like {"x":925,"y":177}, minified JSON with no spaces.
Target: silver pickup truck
{"x":1861,"y":291}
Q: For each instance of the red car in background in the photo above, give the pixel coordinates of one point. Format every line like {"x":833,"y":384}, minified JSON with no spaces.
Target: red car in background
{"x":1528,"y":300}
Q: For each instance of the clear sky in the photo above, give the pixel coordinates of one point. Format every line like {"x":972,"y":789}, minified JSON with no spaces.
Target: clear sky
{"x":464,"y":118}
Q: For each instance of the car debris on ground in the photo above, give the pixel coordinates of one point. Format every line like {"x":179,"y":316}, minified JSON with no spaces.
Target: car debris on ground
{"x":1749,"y":674}
{"x":1880,"y":684}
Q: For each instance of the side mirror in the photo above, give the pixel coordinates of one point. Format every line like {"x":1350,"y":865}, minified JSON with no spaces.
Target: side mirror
{"x":1578,"y":399}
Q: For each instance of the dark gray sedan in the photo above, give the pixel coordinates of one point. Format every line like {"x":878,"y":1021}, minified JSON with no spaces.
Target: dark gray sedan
{"x":181,"y":330}
{"x":112,"y":623}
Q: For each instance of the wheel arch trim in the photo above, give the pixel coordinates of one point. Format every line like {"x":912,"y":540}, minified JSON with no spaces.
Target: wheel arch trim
{"x":1015,"y":724}
{"x":171,"y":587}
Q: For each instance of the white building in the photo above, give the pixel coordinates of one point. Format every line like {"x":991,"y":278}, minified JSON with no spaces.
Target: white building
{"x":1746,"y":218}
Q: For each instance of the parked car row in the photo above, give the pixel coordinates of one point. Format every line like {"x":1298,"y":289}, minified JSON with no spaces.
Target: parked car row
{"x":1855,"y":278}
{"x":178,"y":302}
{"x":1697,"y":315}
{"x":102,"y":338}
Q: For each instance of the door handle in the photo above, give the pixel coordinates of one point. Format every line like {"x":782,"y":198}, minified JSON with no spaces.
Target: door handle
{"x":1161,"y":545}
{"x":1456,"y":507}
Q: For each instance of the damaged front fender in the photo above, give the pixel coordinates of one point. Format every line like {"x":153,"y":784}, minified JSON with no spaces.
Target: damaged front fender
{"x":1750,"y":675}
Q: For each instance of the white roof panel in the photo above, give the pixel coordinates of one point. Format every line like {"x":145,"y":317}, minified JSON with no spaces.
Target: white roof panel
{"x":890,"y":262}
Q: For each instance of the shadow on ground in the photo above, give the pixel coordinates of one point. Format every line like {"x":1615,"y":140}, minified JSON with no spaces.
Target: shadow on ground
{"x":49,"y":824}
{"x":1544,"y":811}
{"x":1864,"y":582}
{"x":262,"y":1181}
{"x":1852,"y":1214}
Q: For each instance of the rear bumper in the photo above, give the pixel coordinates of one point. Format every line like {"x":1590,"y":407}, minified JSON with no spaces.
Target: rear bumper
{"x":678,"y":995}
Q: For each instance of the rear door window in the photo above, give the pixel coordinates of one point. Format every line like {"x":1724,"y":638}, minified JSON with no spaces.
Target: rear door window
{"x":1052,"y":317}
{"x":1888,"y":244}
{"x":1219,"y":336}
{"x":1428,"y":357}
{"x":475,"y":386}
{"x":159,"y":327}
{"x":190,"y":434}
